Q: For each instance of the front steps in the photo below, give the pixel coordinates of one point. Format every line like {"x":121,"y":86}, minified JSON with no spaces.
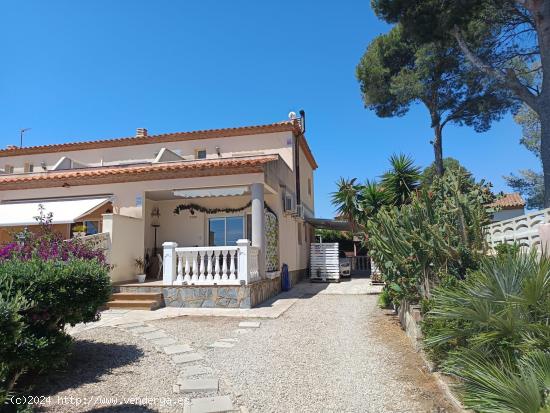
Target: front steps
{"x":136,"y":301}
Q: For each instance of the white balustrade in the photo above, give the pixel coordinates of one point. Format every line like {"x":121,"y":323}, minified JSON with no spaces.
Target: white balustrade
{"x":523,"y":230}
{"x":227,"y":265}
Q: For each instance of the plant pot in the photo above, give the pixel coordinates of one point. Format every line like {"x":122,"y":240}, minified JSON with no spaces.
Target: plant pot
{"x":141,"y":278}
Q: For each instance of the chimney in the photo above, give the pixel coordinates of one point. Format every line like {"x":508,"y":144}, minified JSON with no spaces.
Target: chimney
{"x":141,"y":133}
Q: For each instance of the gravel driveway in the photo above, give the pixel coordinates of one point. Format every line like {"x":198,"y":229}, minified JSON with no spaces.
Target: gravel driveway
{"x":327,"y":353}
{"x":334,"y":350}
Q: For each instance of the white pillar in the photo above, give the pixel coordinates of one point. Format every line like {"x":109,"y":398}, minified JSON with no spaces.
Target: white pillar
{"x":242,"y":258}
{"x":169,"y":263}
{"x":258,"y":224}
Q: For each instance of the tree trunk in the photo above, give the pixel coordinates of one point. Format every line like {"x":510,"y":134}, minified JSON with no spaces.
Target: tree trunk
{"x":438,"y":149}
{"x":544,"y":116}
{"x":540,"y":10}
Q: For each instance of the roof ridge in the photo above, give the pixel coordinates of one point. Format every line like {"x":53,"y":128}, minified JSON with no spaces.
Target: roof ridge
{"x":140,"y":140}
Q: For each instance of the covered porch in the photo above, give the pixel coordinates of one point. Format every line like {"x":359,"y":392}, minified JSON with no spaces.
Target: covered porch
{"x":212,"y":236}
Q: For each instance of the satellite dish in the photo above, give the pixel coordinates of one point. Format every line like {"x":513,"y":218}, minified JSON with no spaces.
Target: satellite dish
{"x":292,"y":115}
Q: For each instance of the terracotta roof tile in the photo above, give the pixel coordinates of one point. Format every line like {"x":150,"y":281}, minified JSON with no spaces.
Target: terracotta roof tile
{"x":507,"y":201}
{"x":283,"y":126}
{"x":113,"y":174}
{"x":144,"y":140}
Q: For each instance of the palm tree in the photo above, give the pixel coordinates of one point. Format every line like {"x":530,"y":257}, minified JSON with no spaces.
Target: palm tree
{"x":347,"y":202}
{"x":372,"y":198}
{"x":401,"y":180}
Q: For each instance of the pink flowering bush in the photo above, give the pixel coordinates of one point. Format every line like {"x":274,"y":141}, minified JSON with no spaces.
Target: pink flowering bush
{"x":45,"y":284}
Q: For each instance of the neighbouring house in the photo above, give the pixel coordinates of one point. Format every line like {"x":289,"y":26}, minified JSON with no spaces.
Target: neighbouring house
{"x":508,"y":206}
{"x":215,"y":212}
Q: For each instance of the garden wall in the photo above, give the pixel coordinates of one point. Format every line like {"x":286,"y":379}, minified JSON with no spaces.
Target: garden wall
{"x":410,"y":318}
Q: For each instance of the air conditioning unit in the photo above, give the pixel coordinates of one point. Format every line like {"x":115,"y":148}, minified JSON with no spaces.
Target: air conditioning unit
{"x":300,"y":211}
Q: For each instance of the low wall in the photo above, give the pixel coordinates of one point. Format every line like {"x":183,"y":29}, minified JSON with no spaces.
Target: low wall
{"x":410,"y":317}
{"x":298,"y":275}
{"x":231,"y":296}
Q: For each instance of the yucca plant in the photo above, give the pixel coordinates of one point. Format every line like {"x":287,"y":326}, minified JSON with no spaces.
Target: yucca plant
{"x":401,"y":180}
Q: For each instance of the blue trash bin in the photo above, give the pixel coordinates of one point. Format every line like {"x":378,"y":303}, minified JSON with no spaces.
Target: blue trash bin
{"x":285,"y":278}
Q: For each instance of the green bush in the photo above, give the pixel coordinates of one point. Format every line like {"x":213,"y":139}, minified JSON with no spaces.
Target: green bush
{"x":37,"y":299}
{"x":492,"y":331}
{"x":507,"y":249}
{"x":384,"y":299}
{"x":438,"y":233}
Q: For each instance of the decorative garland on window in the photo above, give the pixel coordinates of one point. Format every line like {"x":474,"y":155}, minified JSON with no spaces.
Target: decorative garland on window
{"x":195,"y":207}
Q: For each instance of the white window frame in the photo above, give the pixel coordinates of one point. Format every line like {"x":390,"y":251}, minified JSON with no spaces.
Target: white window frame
{"x":224,"y":217}
{"x":201,"y":150}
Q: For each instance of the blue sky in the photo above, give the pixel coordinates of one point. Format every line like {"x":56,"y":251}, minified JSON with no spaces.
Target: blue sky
{"x":98,"y":69}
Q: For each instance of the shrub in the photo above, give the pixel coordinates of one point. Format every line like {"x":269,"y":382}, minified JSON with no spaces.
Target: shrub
{"x":507,"y":249}
{"x":439,"y":232}
{"x":384,"y":299}
{"x":45,"y":284}
{"x":492,"y":331}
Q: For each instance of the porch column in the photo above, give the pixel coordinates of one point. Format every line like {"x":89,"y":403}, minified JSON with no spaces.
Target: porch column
{"x":258,"y":224}
{"x":169,"y":264}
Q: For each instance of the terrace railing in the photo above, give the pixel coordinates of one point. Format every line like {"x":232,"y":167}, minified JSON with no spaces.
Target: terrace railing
{"x":226,"y":265}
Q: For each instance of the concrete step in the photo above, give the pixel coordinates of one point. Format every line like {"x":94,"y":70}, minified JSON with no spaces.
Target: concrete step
{"x":134,"y":304}
{"x":137,"y":296}
{"x":216,"y":404}
{"x":205,"y":384}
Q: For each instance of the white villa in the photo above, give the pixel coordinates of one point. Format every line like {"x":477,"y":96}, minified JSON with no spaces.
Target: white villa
{"x":215,"y":212}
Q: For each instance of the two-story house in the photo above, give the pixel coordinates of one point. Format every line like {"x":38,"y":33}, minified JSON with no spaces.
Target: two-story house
{"x":188,"y":201}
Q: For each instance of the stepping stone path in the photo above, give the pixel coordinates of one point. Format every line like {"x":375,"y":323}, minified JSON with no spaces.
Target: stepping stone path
{"x":221,"y":344}
{"x":249,"y":324}
{"x":193,"y":378}
{"x":209,"y":404}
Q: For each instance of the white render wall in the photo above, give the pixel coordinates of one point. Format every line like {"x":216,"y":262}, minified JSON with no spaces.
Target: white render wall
{"x":247,"y":145}
{"x":126,"y":235}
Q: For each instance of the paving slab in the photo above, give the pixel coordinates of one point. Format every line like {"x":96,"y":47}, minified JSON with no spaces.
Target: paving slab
{"x":130,"y":326}
{"x":215,"y":404}
{"x":249,"y":324}
{"x":240,"y":331}
{"x":193,"y":371}
{"x":143,"y":330}
{"x":167,"y":341}
{"x":198,"y":385}
{"x":221,"y":344}
{"x":186,"y":358}
{"x":177,"y":349}
{"x":155,"y":334}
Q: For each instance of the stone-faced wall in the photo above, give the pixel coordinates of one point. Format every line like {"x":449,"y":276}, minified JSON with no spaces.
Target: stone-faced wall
{"x":264,"y":290}
{"x":237,"y":296}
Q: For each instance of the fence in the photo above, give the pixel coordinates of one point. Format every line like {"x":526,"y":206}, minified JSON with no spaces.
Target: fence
{"x":523,"y":230}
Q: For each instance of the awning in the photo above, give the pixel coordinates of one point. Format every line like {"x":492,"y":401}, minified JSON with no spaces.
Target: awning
{"x":65,"y":211}
{"x":333,"y":224}
{"x":211,"y":192}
